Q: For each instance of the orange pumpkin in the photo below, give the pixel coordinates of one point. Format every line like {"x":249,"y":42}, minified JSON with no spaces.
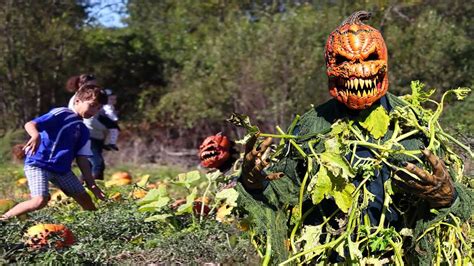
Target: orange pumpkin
{"x":120,"y":179}
{"x":58,"y":197}
{"x":139,"y":193}
{"x":5,"y":205}
{"x":38,"y":235}
{"x":22,"y":181}
{"x":356,"y":63}
{"x":117,"y":196}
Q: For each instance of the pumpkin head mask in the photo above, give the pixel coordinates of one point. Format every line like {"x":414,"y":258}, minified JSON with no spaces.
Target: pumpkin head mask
{"x":356,"y":62}
{"x":214,"y":151}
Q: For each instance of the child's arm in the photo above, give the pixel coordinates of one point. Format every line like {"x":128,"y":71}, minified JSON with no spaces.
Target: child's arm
{"x":85,"y":168}
{"x":35,"y":138}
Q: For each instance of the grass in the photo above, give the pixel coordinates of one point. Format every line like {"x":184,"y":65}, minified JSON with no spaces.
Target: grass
{"x":117,"y":233}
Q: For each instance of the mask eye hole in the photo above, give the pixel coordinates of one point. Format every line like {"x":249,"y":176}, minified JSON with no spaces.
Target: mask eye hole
{"x":340,"y":59}
{"x":372,"y":56}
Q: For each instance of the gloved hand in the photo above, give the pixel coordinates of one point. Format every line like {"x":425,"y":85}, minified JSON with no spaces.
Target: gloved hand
{"x":253,"y":176}
{"x":436,"y":188}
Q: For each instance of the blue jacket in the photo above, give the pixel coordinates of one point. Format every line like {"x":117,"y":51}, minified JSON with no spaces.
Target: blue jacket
{"x":63,"y":137}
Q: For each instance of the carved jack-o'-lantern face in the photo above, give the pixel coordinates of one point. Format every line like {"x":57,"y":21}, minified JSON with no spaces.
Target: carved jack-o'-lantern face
{"x":356,"y":61}
{"x":39,"y":235}
{"x":214,"y":151}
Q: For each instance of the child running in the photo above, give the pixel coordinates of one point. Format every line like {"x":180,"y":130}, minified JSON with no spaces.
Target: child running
{"x":57,"y":138}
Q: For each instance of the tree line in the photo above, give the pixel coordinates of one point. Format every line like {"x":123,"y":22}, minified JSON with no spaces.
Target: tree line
{"x":182,"y":67}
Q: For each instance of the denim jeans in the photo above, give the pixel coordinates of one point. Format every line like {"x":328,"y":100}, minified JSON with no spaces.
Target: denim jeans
{"x":97,"y":160}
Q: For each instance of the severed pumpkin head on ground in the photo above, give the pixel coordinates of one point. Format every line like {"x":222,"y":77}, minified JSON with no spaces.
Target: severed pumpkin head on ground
{"x":356,"y":62}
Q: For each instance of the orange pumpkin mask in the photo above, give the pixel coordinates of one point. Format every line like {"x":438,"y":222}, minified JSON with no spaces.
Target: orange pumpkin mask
{"x":356,"y":62}
{"x":214,"y":151}
{"x":39,"y":234}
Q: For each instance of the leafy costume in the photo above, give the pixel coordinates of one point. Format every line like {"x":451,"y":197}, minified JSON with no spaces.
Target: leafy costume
{"x":269,"y":209}
{"x":335,"y":201}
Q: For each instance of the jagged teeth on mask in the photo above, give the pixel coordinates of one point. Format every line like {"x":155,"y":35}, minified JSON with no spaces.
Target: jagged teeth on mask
{"x":368,"y":83}
{"x":356,"y":82}
{"x":358,"y":94}
{"x":364,"y":94}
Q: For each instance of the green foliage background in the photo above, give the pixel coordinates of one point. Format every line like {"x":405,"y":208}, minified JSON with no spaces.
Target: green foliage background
{"x":186,"y":65}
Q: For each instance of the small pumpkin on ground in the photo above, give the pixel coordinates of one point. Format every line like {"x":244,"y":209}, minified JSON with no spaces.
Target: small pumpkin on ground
{"x":39,"y":236}
{"x":5,"y":205}
{"x":22,"y":182}
{"x":138,"y":193}
{"x":119,"y":179}
{"x":58,"y":197}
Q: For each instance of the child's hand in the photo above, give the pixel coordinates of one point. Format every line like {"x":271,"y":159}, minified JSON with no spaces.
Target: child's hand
{"x":97,"y":192}
{"x":32,"y":145}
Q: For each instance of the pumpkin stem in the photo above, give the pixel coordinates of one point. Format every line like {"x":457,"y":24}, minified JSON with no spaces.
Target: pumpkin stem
{"x":357,"y":17}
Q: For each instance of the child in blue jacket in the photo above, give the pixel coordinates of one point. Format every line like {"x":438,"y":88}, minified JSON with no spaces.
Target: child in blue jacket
{"x":57,"y":138}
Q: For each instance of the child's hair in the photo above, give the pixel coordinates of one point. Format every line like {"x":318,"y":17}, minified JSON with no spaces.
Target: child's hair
{"x":91,"y":92}
{"x":75,"y":82}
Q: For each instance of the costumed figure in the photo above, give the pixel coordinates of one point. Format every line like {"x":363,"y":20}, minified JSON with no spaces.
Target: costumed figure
{"x":352,"y":181}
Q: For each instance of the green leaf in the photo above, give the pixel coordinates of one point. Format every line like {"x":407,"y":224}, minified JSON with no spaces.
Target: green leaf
{"x":333,"y":145}
{"x":188,"y":206}
{"x":343,"y":197}
{"x":230,"y":196}
{"x":143,"y":181}
{"x":156,"y":205}
{"x":337,"y":165}
{"x":158,"y":217}
{"x":376,"y":122}
{"x":188,"y":179}
{"x":153,"y":195}
{"x":320,"y":185}
{"x":340,"y":127}
{"x":461,"y":93}
{"x":243,"y":121}
{"x":310,"y":235}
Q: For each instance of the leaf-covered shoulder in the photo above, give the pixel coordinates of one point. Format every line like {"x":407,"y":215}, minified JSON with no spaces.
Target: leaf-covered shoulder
{"x":317,"y":118}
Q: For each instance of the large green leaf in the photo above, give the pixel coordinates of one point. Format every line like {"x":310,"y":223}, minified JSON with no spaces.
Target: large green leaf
{"x":343,"y":197}
{"x":230,"y":196}
{"x":337,"y":165}
{"x":376,"y":122}
{"x":155,"y":206}
{"x":320,"y":185}
{"x":153,"y":195}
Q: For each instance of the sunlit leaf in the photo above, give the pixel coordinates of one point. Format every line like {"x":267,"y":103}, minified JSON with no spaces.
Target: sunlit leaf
{"x":320,"y":185}
{"x":143,"y":181}
{"x":343,"y":197}
{"x":337,"y":165}
{"x":153,"y":195}
{"x":230,"y":196}
{"x":155,"y":205}
{"x":158,"y":217}
{"x":377,"y":122}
